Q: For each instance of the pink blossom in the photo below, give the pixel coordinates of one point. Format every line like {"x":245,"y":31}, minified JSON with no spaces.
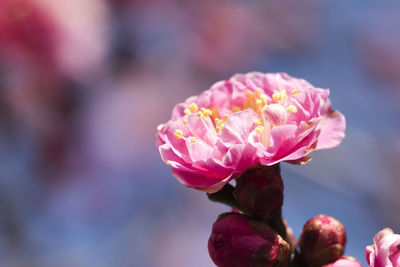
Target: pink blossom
{"x":41,"y":36}
{"x":250,"y":118}
{"x":385,"y":252}
{"x":344,"y":262}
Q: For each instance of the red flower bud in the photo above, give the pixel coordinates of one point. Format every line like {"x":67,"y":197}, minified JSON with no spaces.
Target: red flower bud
{"x":260,"y":191}
{"x":345,"y":262}
{"x":238,"y":241}
{"x":322,"y":241}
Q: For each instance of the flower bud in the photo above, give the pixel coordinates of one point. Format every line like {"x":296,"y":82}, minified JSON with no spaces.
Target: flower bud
{"x":345,"y":262}
{"x":238,"y":241}
{"x":322,"y":241}
{"x":260,"y":191}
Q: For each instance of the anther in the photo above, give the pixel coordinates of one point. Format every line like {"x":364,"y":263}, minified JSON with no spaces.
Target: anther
{"x":219,"y":127}
{"x":259,"y":103}
{"x":258,"y":122}
{"x":185,"y":121}
{"x":263,"y":98}
{"x":295,"y":91}
{"x":260,"y":129}
{"x":178,"y":134}
{"x":292,"y":108}
{"x":206,"y":112}
{"x":276,"y":96}
{"x":193,"y":107}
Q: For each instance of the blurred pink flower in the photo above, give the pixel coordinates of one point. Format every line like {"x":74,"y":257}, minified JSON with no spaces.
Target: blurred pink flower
{"x":250,"y":118}
{"x":344,"y":262}
{"x":42,"y":34}
{"x":385,"y":252}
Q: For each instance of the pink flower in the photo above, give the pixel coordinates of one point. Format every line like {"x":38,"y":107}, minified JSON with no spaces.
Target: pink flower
{"x":344,"y":262}
{"x":250,"y":118}
{"x":385,"y":252}
{"x":41,"y":36}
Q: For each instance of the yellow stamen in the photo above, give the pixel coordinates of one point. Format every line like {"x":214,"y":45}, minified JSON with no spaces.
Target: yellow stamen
{"x":185,"y":121}
{"x":236,"y":109}
{"x":226,"y":116}
{"x":260,"y":129}
{"x":259,"y":103}
{"x":258,"y":122}
{"x":193,"y":139}
{"x":263,"y":98}
{"x":276,"y":96}
{"x":178,"y":134}
{"x":187,"y":111}
{"x":264,"y":107}
{"x":193,"y":107}
{"x":200,"y":114}
{"x":219,"y":127}
{"x":207,"y":112}
{"x":295,"y":91}
{"x":292,"y":108}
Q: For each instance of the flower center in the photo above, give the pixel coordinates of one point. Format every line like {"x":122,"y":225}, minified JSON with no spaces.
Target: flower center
{"x":272,"y":111}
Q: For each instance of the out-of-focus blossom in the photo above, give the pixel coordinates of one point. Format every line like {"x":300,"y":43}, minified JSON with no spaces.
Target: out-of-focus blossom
{"x":322,"y":241}
{"x":260,"y":191}
{"x":239,"y":241}
{"x":345,"y":262}
{"x":46,"y":48}
{"x":82,"y":46}
{"x":27,"y":31}
{"x":250,"y":118}
{"x":66,"y":38}
{"x":385,"y":252}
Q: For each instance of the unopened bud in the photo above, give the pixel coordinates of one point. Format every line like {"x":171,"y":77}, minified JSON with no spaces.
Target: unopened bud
{"x":260,"y":191}
{"x":322,"y":241}
{"x":345,"y":262}
{"x":238,"y":241}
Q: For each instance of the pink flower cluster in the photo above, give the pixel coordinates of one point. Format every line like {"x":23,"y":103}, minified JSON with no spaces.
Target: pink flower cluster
{"x":248,"y":119}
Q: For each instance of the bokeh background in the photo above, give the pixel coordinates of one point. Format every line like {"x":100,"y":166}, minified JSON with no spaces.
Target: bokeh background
{"x":83,"y":85}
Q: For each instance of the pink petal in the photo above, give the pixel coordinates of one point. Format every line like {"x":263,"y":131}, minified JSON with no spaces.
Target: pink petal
{"x":238,"y":127}
{"x":200,"y":181}
{"x":332,"y":127}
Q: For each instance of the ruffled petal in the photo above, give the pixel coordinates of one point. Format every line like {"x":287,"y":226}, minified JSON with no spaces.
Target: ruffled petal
{"x":332,"y":127}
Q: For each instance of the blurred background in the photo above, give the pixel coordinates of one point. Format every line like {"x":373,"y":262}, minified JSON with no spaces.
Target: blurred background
{"x":84,"y":84}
